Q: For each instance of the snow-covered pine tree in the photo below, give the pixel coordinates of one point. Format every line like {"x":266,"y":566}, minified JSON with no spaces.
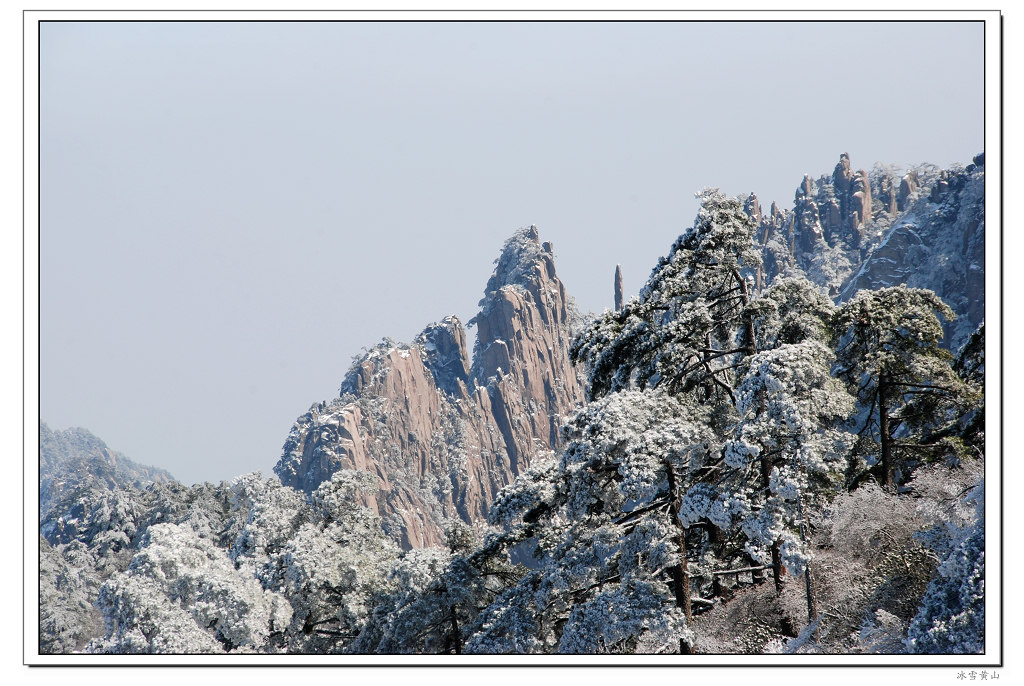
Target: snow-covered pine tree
{"x":951,"y":618}
{"x":436,"y":595}
{"x":329,"y":558}
{"x":689,"y":328}
{"x":603,"y":528}
{"x":791,"y":409}
{"x":889,"y":355}
{"x":181,"y":594}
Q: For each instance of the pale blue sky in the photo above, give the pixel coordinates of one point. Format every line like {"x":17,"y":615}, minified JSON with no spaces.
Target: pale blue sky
{"x":230,"y":212}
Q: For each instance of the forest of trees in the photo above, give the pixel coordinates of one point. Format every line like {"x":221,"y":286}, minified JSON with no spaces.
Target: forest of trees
{"x":755,"y":471}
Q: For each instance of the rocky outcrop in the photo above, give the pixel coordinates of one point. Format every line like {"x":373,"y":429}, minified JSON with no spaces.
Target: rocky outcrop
{"x":860,"y":213}
{"x":937,"y":243}
{"x":618,"y":285}
{"x":805,"y":233}
{"x":442,"y":435}
{"x":887,"y":195}
{"x":908,"y":186}
{"x":771,"y":236}
{"x":828,"y":217}
{"x":927,"y":233}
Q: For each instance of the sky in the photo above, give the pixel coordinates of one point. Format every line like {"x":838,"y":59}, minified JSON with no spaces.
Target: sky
{"x":229,"y":212}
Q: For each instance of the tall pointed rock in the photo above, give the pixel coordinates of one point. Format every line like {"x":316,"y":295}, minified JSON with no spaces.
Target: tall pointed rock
{"x":618,"y":287}
{"x":442,"y":435}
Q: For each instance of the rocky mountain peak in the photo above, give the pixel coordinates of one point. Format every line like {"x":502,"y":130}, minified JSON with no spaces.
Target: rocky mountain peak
{"x":443,"y":433}
{"x":851,"y":230}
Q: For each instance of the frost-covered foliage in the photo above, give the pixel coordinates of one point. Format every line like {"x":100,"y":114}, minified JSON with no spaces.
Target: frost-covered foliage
{"x":67,"y":587}
{"x":689,"y":323}
{"x":749,"y":620}
{"x":181,"y":594}
{"x":889,"y":355}
{"x":830,"y":266}
{"x":267,"y":516}
{"x":952,"y":614}
{"x":249,"y":566}
{"x":93,"y":530}
{"x":76,"y":460}
{"x":791,"y":310}
{"x":605,"y":539}
{"x":329,"y":557}
{"x":790,"y":408}
{"x":406,"y":582}
{"x":278,"y":572}
{"x":436,"y":596}
{"x":870,"y":571}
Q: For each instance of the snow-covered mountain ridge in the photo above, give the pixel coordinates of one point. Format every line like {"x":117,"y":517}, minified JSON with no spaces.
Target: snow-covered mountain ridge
{"x":75,"y":459}
{"x":868,"y":230}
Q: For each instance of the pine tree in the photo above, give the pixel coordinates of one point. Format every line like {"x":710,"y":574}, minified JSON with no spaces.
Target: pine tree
{"x":791,"y":409}
{"x":436,"y":596}
{"x":890,"y":357}
{"x":689,"y":328}
{"x":603,"y":528}
{"x":331,"y":563}
{"x":181,"y":594}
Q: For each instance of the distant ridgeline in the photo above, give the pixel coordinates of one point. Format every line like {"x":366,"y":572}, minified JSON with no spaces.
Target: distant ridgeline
{"x":786,"y":423}
{"x":75,"y":459}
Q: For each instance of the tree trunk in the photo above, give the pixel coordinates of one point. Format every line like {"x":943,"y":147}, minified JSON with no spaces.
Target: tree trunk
{"x":748,"y":321}
{"x":757,"y":575}
{"x":812,"y":610}
{"x":883,"y":431}
{"x":777,"y":567}
{"x":715,"y":540}
{"x":680,"y":572}
{"x":456,"y":635}
{"x":776,"y":555}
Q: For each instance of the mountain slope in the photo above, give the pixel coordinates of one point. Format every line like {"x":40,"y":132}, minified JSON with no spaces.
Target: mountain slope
{"x":75,"y":459}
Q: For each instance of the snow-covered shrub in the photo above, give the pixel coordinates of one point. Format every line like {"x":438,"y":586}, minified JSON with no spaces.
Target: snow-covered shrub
{"x":181,"y":594}
{"x":952,"y":614}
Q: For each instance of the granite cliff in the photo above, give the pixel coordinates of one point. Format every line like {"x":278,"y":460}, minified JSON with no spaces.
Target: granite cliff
{"x":444,"y":432}
{"x":853,"y":230}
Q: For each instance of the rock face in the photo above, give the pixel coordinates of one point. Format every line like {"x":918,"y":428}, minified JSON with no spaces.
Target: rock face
{"x":938,"y":243}
{"x":823,"y":233}
{"x":444,"y":435}
{"x":908,"y":186}
{"x":927,"y":233}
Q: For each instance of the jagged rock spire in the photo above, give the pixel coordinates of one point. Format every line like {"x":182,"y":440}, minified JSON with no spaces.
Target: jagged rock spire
{"x":618,"y":287}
